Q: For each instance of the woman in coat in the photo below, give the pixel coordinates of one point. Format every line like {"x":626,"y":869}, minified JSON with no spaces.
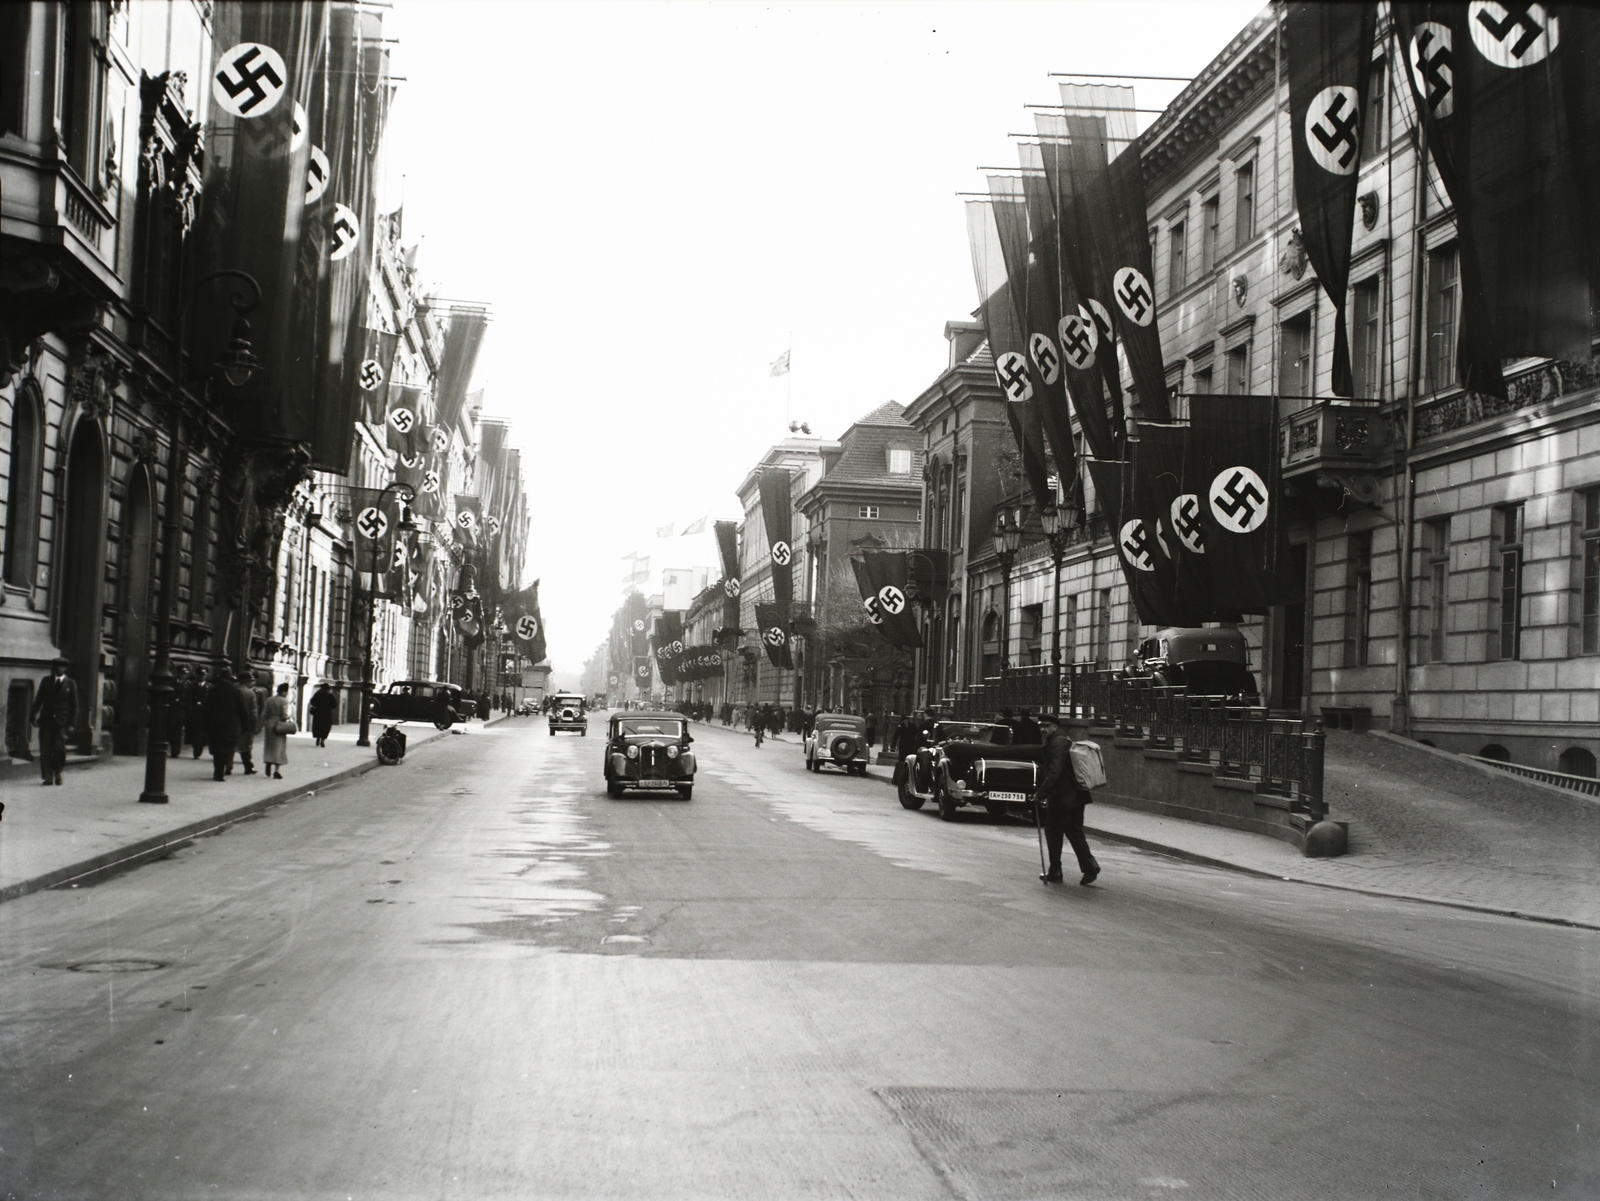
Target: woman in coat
{"x":275,"y":746}
{"x":322,"y":704}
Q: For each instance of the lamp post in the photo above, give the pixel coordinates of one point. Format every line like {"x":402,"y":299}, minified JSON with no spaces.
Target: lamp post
{"x":237,"y":364}
{"x":1007,"y":538}
{"x":408,"y":494}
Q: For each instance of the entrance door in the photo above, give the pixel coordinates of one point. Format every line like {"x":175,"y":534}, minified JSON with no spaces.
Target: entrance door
{"x":80,"y":567}
{"x":134,"y":637}
{"x":1292,"y":657}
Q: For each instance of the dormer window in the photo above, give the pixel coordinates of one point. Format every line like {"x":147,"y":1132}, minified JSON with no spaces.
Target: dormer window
{"x":899,"y":461}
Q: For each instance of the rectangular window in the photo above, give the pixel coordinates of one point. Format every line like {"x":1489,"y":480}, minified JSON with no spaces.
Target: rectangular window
{"x":1436,"y":577}
{"x":1294,"y":360}
{"x":899,"y":461}
{"x":1201,"y":385}
{"x":1238,"y":367}
{"x":1374,"y":122}
{"x":1358,"y":601}
{"x":1444,"y":286}
{"x":1505,"y":584}
{"x":958,"y":516}
{"x":867,"y":511}
{"x":1244,"y":204}
{"x":1069,"y":629}
{"x":1365,"y":339}
{"x":1178,"y":262}
{"x":1210,"y":224}
{"x":1590,"y":539}
{"x":1102,"y":634}
{"x":1030,"y":626}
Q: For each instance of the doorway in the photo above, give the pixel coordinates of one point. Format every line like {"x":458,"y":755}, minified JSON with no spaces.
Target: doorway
{"x":133,"y":643}
{"x":1292,"y":654}
{"x":80,"y":574}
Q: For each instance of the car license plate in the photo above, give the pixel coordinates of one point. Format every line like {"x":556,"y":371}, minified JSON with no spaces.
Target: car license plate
{"x":1008,"y":796}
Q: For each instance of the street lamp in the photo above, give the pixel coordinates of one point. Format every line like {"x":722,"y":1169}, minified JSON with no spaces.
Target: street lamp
{"x":1007,"y":538}
{"x":408,"y":494}
{"x":237,"y":364}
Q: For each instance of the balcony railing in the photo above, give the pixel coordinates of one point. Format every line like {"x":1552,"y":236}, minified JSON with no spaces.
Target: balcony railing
{"x":1278,"y":751}
{"x":1333,"y":435}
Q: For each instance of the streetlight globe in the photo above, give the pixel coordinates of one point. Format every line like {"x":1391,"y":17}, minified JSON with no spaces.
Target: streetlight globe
{"x":1050,"y":519}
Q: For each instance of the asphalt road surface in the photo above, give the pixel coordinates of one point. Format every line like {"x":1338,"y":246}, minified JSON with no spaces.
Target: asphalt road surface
{"x":475,"y":976}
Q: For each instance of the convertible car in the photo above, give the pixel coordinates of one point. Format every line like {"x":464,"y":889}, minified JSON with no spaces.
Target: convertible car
{"x":838,"y":740}
{"x":971,"y":763}
{"x":650,"y":750}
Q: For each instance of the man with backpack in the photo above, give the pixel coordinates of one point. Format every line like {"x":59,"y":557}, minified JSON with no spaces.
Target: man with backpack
{"x":1064,"y":798}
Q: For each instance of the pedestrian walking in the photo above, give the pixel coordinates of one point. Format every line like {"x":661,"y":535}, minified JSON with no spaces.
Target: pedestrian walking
{"x":195,"y":722}
{"x":760,"y":727}
{"x":250,"y":720}
{"x":277,"y":723}
{"x":1064,"y":799}
{"x":872,"y":727}
{"x":55,"y":712}
{"x":1027,"y":731}
{"x":177,"y":710}
{"x":226,"y":715}
{"x":322,"y":704}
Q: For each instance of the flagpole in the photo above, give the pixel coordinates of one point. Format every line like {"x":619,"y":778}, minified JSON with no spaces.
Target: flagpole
{"x":788,"y":383}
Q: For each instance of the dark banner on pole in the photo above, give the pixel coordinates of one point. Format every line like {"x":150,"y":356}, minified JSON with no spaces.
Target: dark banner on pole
{"x":773,"y":625}
{"x":869,"y":595}
{"x":526,"y":622}
{"x":890,"y":575}
{"x":777,"y":511}
{"x":1234,"y":472}
{"x":462,"y":341}
{"x":1329,"y":53}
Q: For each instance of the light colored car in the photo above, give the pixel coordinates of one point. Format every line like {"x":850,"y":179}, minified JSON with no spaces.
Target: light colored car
{"x":838,"y":740}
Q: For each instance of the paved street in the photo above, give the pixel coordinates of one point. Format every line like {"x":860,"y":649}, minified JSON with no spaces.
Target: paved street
{"x":476,"y":976}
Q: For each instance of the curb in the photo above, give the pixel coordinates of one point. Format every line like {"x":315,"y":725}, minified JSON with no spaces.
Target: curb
{"x":1199,"y":860}
{"x":158,"y":846}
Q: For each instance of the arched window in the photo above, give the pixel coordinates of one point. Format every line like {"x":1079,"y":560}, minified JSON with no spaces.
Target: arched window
{"x":1495,"y":751}
{"x":24,"y":486}
{"x":1577,"y":761}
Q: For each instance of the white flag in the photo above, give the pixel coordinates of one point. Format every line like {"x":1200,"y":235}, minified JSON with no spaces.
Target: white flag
{"x":780,"y":365}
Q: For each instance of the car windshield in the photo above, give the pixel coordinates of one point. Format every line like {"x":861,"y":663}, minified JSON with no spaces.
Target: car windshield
{"x":568,"y":702}
{"x":836,"y":721}
{"x":653,"y":725}
{"x":972,"y":731}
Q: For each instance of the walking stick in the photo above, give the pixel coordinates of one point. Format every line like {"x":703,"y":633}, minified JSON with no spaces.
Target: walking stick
{"x":1044,"y":872}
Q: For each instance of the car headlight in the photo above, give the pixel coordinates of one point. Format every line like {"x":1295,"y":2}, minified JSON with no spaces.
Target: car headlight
{"x":962,"y":785}
{"x":633,"y":752}
{"x":672,"y":752}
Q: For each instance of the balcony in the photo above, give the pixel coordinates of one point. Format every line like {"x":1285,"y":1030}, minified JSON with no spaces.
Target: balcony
{"x":1334,"y":449}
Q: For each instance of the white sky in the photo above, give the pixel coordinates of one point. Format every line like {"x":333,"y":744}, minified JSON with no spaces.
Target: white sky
{"x":658,"y":198}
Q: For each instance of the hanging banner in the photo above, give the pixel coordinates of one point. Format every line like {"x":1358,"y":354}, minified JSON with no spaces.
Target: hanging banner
{"x":777,"y":511}
{"x":462,"y":341}
{"x":641,"y":672}
{"x":252,"y":205}
{"x":668,"y":646}
{"x":526,"y":623}
{"x":1233,"y":470}
{"x":728,"y":547}
{"x":1160,"y":502}
{"x":1085,"y":335}
{"x":889,"y":573}
{"x":773,"y":627}
{"x":1120,"y":224}
{"x":1328,"y":48}
{"x":1135,"y":541}
{"x":1027,"y":246}
{"x":469,"y":519}
{"x":1008,"y":346}
{"x":1488,"y":83}
{"x":869,"y":595}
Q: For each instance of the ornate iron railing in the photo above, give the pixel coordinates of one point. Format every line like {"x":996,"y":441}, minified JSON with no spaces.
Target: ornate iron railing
{"x":1278,"y":751}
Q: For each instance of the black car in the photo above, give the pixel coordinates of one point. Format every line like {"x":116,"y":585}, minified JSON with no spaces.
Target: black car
{"x":971,"y":763}
{"x":1206,"y":661}
{"x":433,"y":701}
{"x":649,"y":749}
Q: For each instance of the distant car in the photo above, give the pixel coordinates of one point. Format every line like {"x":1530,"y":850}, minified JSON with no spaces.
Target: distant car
{"x":568,"y":712}
{"x":527,"y":708}
{"x":838,"y":740}
{"x":1208,"y":662}
{"x":650,"y":750}
{"x":433,"y":701}
{"x":971,"y":763}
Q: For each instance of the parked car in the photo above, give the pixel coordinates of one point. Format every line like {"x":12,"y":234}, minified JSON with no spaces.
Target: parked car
{"x":1208,"y":662}
{"x":971,"y":763}
{"x":650,"y":750}
{"x":838,"y":740}
{"x":423,"y":700}
{"x":567,"y":712}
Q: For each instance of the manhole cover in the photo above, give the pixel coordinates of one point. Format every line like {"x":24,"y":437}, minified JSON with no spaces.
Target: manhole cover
{"x":116,"y":965}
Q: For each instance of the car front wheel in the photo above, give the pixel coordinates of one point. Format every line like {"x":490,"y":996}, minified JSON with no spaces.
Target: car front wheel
{"x":613,"y":789}
{"x":686,"y":791}
{"x":909,"y":799}
{"x":947,"y":803}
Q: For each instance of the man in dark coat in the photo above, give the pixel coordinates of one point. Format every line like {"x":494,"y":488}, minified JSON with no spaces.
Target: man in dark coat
{"x":250,"y":719}
{"x":872,"y":727}
{"x":1026,"y":731}
{"x":55,"y":712}
{"x":195,"y":724}
{"x":177,"y":709}
{"x":1064,"y":801}
{"x":226,"y":716}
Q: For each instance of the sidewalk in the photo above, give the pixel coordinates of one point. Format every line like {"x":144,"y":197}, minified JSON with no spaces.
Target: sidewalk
{"x":1425,"y":825}
{"x":94,"y":823}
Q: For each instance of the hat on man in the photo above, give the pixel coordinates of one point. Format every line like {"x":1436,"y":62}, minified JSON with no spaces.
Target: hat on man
{"x":58,"y":661}
{"x":245,"y":676}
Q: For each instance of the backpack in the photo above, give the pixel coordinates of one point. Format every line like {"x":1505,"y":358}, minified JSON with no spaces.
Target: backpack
{"x":1088,"y":765}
